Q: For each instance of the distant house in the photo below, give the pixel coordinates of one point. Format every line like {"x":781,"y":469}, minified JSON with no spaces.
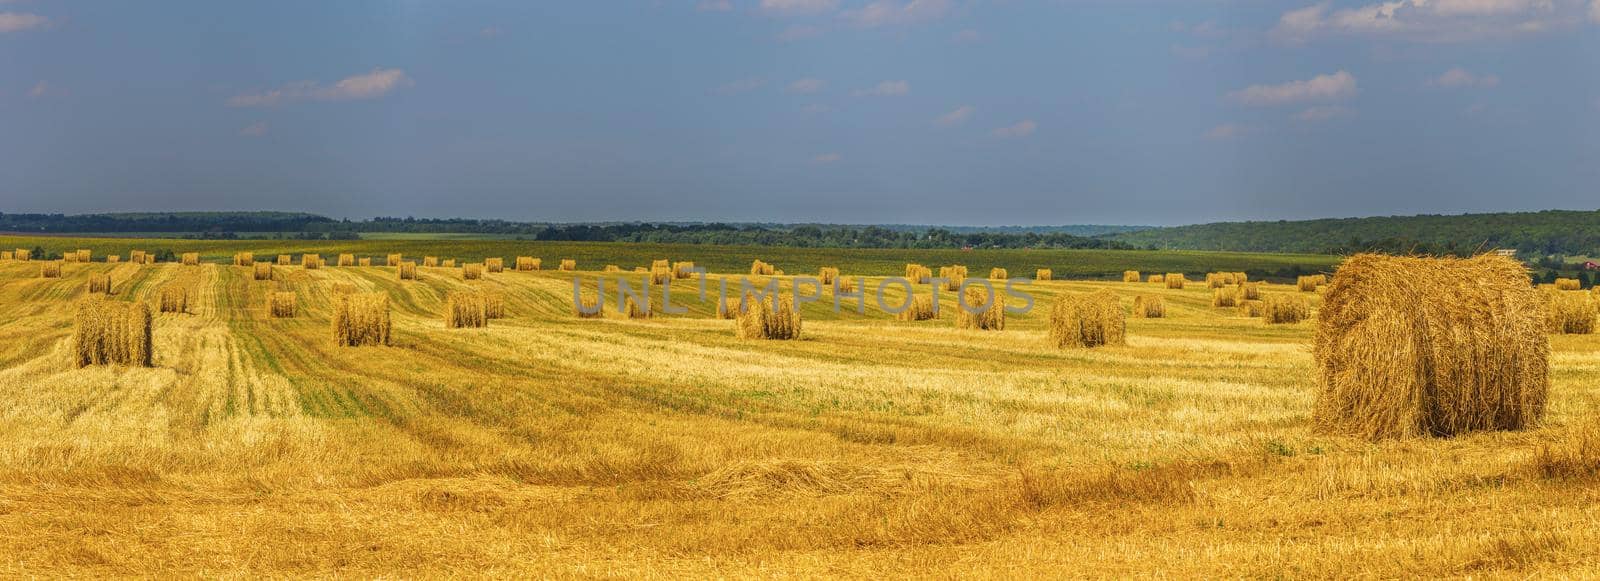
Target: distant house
{"x":1591,"y":265}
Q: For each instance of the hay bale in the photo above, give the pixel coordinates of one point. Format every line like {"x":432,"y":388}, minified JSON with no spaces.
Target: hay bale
{"x":1088,"y":320}
{"x":1568,"y":313}
{"x":448,"y":263}
{"x":1310,"y":283}
{"x":633,"y":310}
{"x":8,"y":255}
{"x":1043,"y":274}
{"x":1149,"y":307}
{"x":766,"y":319}
{"x":592,"y":305}
{"x":1131,"y":276}
{"x":85,"y":256}
{"x":360,"y":319}
{"x":22,"y":255}
{"x":1569,"y":284}
{"x":281,"y":305}
{"x":51,"y":269}
{"x":1252,"y":308}
{"x":494,"y":265}
{"x":1250,"y":291}
{"x":1225,"y":297}
{"x":728,"y":308}
{"x":759,"y":268}
{"x":465,"y":310}
{"x":846,"y":285}
{"x":244,"y":259}
{"x":998,"y":274}
{"x":640,"y":269}
{"x":1175,"y":280}
{"x":494,"y":305}
{"x":433,"y":261}
{"x":661,"y":263}
{"x":472,"y":271}
{"x":285,"y":260}
{"x":112,"y":333}
{"x":991,"y":315}
{"x":683,"y":270}
{"x":262,"y":271}
{"x":174,"y":299}
{"x":1410,"y":346}
{"x":660,"y":275}
{"x":407,"y":270}
{"x":954,"y":276}
{"x":569,"y":264}
{"x":921,"y":309}
{"x":393,"y":260}
{"x":363,"y":262}
{"x":135,"y":256}
{"x":100,"y":283}
{"x":1156,"y":279}
{"x":827,"y":274}
{"x":113,"y":259}
{"x":311,"y":261}
{"x":1240,"y":278}
{"x":191,"y":259}
{"x":346,"y":259}
{"x":919,"y":274}
{"x":611,"y":268}
{"x":1218,"y":279}
{"x":1282,"y":309}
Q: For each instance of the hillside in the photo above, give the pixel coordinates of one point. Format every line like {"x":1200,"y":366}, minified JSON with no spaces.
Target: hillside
{"x":1540,"y":233}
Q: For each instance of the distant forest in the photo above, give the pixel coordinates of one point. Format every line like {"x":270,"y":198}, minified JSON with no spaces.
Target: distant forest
{"x":1535,"y":235}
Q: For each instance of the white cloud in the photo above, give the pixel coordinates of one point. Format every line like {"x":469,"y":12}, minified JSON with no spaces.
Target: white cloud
{"x":1594,"y":11}
{"x":371,"y":85}
{"x":890,"y":12}
{"x":1323,"y":113}
{"x":955,"y":117}
{"x":1337,"y":86}
{"x":256,"y":129}
{"x":885,"y":89}
{"x":806,"y":85}
{"x":1458,"y":77}
{"x":1426,"y":20}
{"x":826,"y":158}
{"x":1021,"y":129}
{"x":1224,"y":131}
{"x":741,"y":86}
{"x":713,"y":6}
{"x":798,"y":6}
{"x":15,"y":21}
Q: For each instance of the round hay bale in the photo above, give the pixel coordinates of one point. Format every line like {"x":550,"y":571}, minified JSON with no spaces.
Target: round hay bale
{"x":1410,"y":346}
{"x":1089,"y":320}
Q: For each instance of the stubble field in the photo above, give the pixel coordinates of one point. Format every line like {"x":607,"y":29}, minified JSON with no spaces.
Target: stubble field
{"x":549,"y":445}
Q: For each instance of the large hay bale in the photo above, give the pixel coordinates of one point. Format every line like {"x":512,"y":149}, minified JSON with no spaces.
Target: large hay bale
{"x":113,"y":259}
{"x":448,"y":263}
{"x":1149,"y":307}
{"x":407,"y":270}
{"x":846,"y":285}
{"x":766,"y":319}
{"x":1282,"y":309}
{"x":569,"y":264}
{"x":921,"y":309}
{"x":1250,"y":291}
{"x":954,"y":276}
{"x":634,"y":310}
{"x":433,"y":261}
{"x":1156,"y":279}
{"x":285,"y":260}
{"x":591,"y":307}
{"x":728,"y":308}
{"x":174,"y":299}
{"x":1569,"y":313}
{"x":69,"y":257}
{"x":1311,"y":282}
{"x":311,"y":261}
{"x":1225,"y":297}
{"x":1218,"y":279}
{"x":494,"y":265}
{"x":1569,"y":284}
{"x":22,"y":255}
{"x":394,"y":259}
{"x":84,"y":255}
{"x":244,"y":259}
{"x":1043,"y":274}
{"x":1252,"y":308}
{"x":1240,"y":278}
{"x":136,"y":256}
{"x":360,"y":319}
{"x":684,"y":270}
{"x":346,"y":259}
{"x":112,"y":333}
{"x":660,"y":275}
{"x":363,"y":262}
{"x":1087,"y":320}
{"x":759,"y":268}
{"x":472,"y":271}
{"x":1410,"y":346}
{"x":1131,"y":276}
{"x":100,"y":283}
{"x":465,"y":309}
{"x":281,"y":304}
{"x":8,"y":255}
{"x":827,"y":274}
{"x":661,"y":263}
{"x":527,"y":263}
{"x":51,"y":269}
{"x":991,"y":315}
{"x":611,"y":268}
{"x":998,"y":274}
{"x":191,"y":259}
{"x":494,"y":305}
{"x":1175,"y":280}
{"x":918,"y":274}
{"x":262,"y":271}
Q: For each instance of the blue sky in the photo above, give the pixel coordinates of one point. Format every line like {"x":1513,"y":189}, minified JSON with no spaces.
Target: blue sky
{"x":878,"y":111}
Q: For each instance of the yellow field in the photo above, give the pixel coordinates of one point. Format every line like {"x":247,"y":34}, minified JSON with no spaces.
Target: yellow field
{"x":552,"y":446}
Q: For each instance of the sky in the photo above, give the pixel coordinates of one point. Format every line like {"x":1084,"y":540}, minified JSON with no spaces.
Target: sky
{"x":960,"y":112}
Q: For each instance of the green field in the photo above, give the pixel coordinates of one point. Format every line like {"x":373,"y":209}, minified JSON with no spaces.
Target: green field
{"x":593,"y":255}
